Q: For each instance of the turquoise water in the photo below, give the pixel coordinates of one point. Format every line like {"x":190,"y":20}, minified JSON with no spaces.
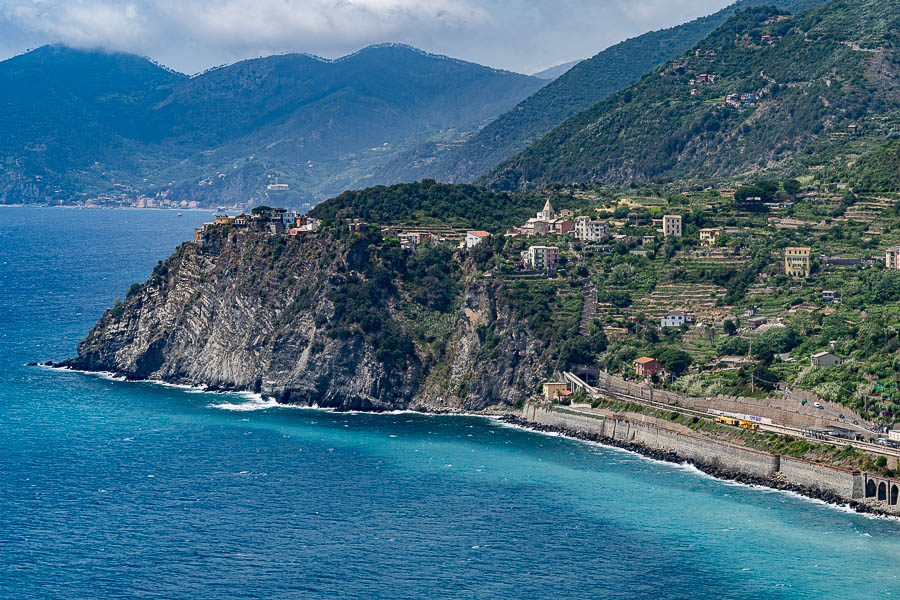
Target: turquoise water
{"x":134,"y":490}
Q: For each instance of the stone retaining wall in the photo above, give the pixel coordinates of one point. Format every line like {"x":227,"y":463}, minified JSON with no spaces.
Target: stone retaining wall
{"x":848,"y":485}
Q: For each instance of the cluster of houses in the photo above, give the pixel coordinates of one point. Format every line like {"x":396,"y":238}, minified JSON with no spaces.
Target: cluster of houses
{"x":275,"y":221}
{"x":741,"y":100}
{"x":702,"y":78}
{"x":548,"y":222}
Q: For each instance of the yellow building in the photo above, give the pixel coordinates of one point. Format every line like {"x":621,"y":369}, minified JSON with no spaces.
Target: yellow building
{"x":552,"y":389}
{"x":709,"y":235}
{"x":796,"y":261}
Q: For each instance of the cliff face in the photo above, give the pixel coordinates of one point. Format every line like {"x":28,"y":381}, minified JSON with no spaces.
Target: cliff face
{"x":333,"y":320}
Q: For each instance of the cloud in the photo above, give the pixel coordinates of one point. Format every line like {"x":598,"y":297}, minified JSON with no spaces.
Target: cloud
{"x":229,"y":23}
{"x":655,"y":11}
{"x":79,"y":23}
{"x":193,"y":34}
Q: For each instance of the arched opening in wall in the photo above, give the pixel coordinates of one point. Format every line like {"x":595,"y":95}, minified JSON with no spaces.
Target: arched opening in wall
{"x":882,"y":491}
{"x":870,"y":489}
{"x":894,"y":493}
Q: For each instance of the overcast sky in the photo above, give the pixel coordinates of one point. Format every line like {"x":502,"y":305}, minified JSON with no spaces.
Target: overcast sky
{"x":191,"y":35}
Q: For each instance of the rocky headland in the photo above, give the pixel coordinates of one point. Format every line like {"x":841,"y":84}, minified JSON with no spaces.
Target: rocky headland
{"x":335,"y":319}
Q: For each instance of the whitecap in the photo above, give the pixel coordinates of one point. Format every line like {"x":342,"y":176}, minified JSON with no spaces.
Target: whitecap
{"x":255,"y":403}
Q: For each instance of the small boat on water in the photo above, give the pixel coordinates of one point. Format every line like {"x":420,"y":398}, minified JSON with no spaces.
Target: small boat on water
{"x":179,"y":214}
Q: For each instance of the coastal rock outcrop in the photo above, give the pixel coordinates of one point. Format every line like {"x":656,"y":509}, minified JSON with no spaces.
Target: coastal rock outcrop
{"x":331,"y":319}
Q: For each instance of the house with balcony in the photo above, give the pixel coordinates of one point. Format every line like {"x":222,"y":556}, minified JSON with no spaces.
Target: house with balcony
{"x":892,"y":258}
{"x":541,"y":258}
{"x":591,"y":231}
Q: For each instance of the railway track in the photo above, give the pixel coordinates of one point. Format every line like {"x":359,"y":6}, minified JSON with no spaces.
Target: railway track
{"x":771,"y":428}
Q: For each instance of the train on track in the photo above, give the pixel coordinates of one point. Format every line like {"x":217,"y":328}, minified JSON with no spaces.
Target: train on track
{"x":742,"y":423}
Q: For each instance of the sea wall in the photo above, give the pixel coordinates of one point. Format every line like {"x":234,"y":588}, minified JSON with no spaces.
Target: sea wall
{"x":694,"y":449}
{"x":847,"y":484}
{"x":817,"y":480}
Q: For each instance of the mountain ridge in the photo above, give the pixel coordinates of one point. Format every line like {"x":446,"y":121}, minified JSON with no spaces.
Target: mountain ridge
{"x":808,"y":77}
{"x":320,"y":125}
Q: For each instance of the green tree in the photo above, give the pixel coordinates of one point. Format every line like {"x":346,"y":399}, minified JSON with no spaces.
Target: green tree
{"x":674,"y":360}
{"x":729,"y":327}
{"x":792,"y":186}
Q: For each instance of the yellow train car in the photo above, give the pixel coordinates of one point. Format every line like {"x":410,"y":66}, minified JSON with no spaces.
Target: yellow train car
{"x":733,"y":422}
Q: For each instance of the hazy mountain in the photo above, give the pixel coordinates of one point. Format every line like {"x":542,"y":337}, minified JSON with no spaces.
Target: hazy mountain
{"x":818,"y":73}
{"x":97,"y":122}
{"x":556,"y":71}
{"x":585,"y":84}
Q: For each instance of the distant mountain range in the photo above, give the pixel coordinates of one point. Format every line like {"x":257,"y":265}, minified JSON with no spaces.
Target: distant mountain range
{"x":556,"y":71}
{"x":583,"y":85}
{"x":78,"y":124}
{"x":800,"y":88}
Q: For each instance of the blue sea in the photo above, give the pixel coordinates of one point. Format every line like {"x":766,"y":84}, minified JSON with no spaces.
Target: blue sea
{"x":111,"y":489}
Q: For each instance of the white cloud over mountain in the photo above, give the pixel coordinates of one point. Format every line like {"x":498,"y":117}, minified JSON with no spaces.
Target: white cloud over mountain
{"x":190,"y":35}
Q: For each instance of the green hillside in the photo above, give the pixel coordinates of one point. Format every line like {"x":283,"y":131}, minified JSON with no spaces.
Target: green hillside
{"x":585,"y":84}
{"x":879,"y":171}
{"x":816,"y":74}
{"x":428,"y":202}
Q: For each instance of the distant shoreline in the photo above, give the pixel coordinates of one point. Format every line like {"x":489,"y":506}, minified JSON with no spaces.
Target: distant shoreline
{"x":72,"y":207}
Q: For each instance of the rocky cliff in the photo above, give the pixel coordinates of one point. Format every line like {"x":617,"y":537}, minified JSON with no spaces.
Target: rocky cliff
{"x":335,"y":319}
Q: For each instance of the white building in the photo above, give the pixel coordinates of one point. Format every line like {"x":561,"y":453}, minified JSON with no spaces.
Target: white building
{"x":473,"y":238}
{"x":675,"y":320}
{"x":289,"y":218}
{"x":591,"y":231}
